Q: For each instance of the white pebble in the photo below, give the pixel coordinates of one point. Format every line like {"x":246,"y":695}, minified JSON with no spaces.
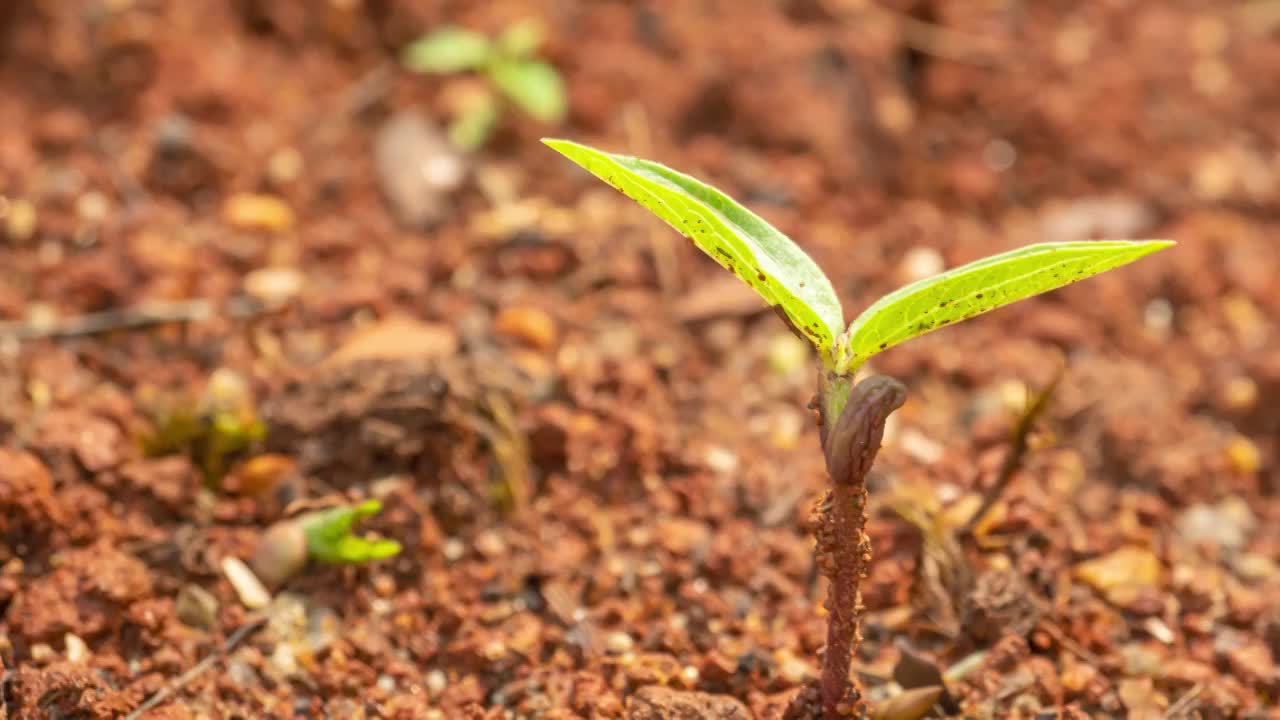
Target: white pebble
{"x":274,"y":286}
{"x":920,"y":263}
{"x":437,"y":681}
{"x":619,"y":643}
{"x":252,"y":593}
{"x":721,"y":460}
{"x":77,"y":650}
{"x":283,"y":660}
{"x":453,"y":549}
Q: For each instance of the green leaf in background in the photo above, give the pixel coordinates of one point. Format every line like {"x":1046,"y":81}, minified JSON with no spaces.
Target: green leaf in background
{"x":533,"y":85}
{"x":521,"y":39}
{"x":472,"y":128}
{"x":329,"y":537}
{"x":733,"y":236}
{"x":449,"y":49}
{"x":978,"y":287}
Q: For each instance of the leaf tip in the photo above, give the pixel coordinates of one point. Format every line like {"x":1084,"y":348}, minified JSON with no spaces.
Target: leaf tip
{"x":1143,"y":248}
{"x":557,"y":144}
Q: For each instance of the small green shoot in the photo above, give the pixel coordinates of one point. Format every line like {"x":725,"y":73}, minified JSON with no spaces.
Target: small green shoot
{"x":510,"y":65}
{"x":211,"y":429}
{"x":330,"y":540}
{"x":852,"y":416}
{"x":448,"y":50}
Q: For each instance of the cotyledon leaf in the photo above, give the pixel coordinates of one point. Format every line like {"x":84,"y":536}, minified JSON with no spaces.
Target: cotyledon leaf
{"x":978,"y":287}
{"x":330,"y":540}
{"x":764,"y":258}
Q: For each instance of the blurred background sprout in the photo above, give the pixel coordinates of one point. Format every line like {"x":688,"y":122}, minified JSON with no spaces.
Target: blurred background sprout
{"x":510,"y":65}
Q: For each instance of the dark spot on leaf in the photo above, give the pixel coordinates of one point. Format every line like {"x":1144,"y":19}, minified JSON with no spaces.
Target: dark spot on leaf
{"x":979,"y":296}
{"x":761,"y":275}
{"x":801,"y":283}
{"x":944,"y":303}
{"x":884,"y":345}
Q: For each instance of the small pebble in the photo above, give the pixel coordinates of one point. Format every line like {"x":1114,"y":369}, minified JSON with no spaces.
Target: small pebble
{"x":196,"y":607}
{"x":274,"y":286}
{"x":386,"y":683}
{"x":283,"y":660}
{"x":284,"y":166}
{"x":619,"y":642}
{"x":453,"y":549}
{"x":1159,"y":630}
{"x":261,"y":473}
{"x":248,"y":587}
{"x":42,"y":653}
{"x":494,"y":650}
{"x":77,"y":650}
{"x":384,"y":585}
{"x":490,"y":544}
{"x":1227,"y":524}
{"x":920,"y":263}
{"x":720,"y":459}
{"x":437,"y":681}
{"x":93,"y":207}
{"x":226,"y":390}
{"x":1243,"y":455}
{"x":257,"y":212}
{"x":1240,"y":394}
{"x":1157,"y":316}
{"x":20,"y":220}
{"x":530,"y":325}
{"x":1255,"y":567}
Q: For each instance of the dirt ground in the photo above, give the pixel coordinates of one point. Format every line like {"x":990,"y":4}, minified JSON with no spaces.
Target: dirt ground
{"x":595,"y":448}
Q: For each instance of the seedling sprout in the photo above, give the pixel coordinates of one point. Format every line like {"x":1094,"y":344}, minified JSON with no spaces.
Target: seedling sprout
{"x":852,"y":416}
{"x":330,"y":540}
{"x":511,"y":67}
{"x":322,"y":535}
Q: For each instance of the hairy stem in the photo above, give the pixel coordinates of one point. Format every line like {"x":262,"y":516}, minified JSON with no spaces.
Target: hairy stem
{"x":850,"y":443}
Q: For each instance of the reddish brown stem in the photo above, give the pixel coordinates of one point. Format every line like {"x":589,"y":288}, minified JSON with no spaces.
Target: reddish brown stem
{"x":843,"y":547}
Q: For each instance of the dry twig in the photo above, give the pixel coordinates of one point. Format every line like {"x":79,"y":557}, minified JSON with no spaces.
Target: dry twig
{"x":131,"y":318}
{"x":1017,"y":451}
{"x":242,"y":632}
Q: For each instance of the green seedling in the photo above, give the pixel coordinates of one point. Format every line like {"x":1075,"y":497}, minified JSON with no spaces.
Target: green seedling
{"x":329,"y":537}
{"x":220,"y":424}
{"x":508,"y":62}
{"x":851,"y":416}
{"x":322,"y":535}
